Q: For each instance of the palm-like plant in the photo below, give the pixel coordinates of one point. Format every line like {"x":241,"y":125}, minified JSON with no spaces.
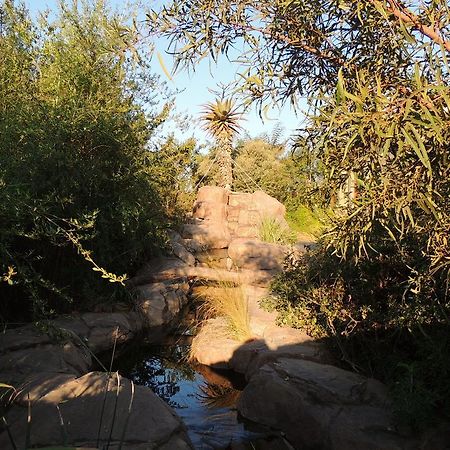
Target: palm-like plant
{"x":221,"y":121}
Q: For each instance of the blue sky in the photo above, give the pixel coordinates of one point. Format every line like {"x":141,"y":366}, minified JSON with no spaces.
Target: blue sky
{"x":195,"y":86}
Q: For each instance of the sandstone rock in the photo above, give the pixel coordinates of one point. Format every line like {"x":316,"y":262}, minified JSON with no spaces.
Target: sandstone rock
{"x":246,"y":231}
{"x":21,"y":338}
{"x":276,"y":337}
{"x":213,"y":194}
{"x":193,"y":246}
{"x":208,"y":234}
{"x":208,"y":211}
{"x":268,"y":206}
{"x":151,"y":271}
{"x":174,"y":236}
{"x":212,"y":255}
{"x":256,"y":255}
{"x":259,"y":318}
{"x":180,"y":251}
{"x":151,"y":424}
{"x":211,"y":346}
{"x":248,"y":358}
{"x":160,"y":302}
{"x":239,"y":199}
{"x":337,"y":409}
{"x":105,"y":328}
{"x":64,"y":358}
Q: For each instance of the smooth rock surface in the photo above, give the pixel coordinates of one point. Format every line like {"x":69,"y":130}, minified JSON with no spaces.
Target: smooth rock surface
{"x":254,"y":254}
{"x":321,"y":406}
{"x":151,"y":424}
{"x":212,"y":347}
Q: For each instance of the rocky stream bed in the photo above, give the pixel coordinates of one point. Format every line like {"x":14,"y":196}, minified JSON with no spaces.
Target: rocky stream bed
{"x":290,"y":393}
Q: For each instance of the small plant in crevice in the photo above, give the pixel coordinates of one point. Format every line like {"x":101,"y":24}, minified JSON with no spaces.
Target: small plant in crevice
{"x":227,"y":300}
{"x":271,"y":230}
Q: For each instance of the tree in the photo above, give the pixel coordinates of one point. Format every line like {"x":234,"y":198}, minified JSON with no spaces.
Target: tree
{"x":221,"y":121}
{"x":293,"y":47}
{"x":377,"y":76}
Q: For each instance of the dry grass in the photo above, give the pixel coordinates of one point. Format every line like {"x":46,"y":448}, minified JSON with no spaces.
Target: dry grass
{"x":228,"y":301}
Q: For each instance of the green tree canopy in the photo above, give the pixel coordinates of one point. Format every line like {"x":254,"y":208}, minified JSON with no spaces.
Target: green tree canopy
{"x":73,"y":168}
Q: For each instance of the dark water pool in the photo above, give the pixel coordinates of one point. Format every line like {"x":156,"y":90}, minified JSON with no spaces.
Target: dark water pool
{"x":204,"y":398}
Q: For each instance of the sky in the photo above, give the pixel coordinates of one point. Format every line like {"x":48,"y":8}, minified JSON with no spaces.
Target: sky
{"x":194,"y":87}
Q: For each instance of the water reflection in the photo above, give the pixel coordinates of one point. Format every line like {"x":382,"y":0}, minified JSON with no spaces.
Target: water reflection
{"x":204,"y":398}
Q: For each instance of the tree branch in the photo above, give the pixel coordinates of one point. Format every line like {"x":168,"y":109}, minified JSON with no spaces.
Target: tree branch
{"x":405,"y":15}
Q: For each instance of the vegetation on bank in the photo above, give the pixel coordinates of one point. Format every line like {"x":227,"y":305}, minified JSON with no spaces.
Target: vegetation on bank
{"x":82,"y":199}
{"x":228,"y":301}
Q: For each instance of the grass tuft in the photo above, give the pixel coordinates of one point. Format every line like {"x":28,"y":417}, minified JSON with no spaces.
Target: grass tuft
{"x":273,"y":231}
{"x":228,"y":301}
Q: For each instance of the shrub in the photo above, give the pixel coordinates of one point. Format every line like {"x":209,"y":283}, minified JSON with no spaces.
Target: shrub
{"x":306,"y":220}
{"x":73,"y":170}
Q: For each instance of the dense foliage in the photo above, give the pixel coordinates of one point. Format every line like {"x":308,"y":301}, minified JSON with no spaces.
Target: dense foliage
{"x":377,"y":76}
{"x":77,"y":199}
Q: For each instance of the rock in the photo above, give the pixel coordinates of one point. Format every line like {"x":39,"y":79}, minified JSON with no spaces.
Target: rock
{"x":268,"y":206}
{"x":65,"y":358}
{"x":239,"y":199}
{"x":35,"y":386}
{"x":213,"y":194}
{"x":151,"y":424}
{"x":276,"y":337}
{"x":246,"y":231}
{"x":208,"y":211}
{"x":161,"y":302}
{"x":256,"y":255}
{"x":337,"y":409}
{"x":248,"y":358}
{"x":194,"y":246}
{"x":208,"y":234}
{"x":106,"y":328}
{"x":180,"y":251}
{"x":174,"y":236}
{"x":155,"y":269}
{"x":211,"y":346}
{"x":21,"y":338}
{"x":217,"y":254}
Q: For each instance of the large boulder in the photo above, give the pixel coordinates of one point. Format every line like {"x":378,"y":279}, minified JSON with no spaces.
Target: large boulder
{"x":213,"y":194}
{"x":253,"y":254}
{"x":268,"y":206}
{"x":209,"y":235}
{"x":211,"y":204}
{"x":212,"y":346}
{"x":88,"y":415}
{"x":161,"y":302}
{"x":321,"y":406}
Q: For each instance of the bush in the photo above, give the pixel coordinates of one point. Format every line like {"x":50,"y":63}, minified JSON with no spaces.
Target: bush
{"x":356,"y":304}
{"x":75,"y":190}
{"x":305,"y":220}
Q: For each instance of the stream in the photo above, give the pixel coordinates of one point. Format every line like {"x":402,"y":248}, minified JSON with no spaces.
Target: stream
{"x":204,"y":398}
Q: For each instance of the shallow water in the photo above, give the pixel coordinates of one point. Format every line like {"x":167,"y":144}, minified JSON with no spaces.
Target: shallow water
{"x":204,"y":398}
